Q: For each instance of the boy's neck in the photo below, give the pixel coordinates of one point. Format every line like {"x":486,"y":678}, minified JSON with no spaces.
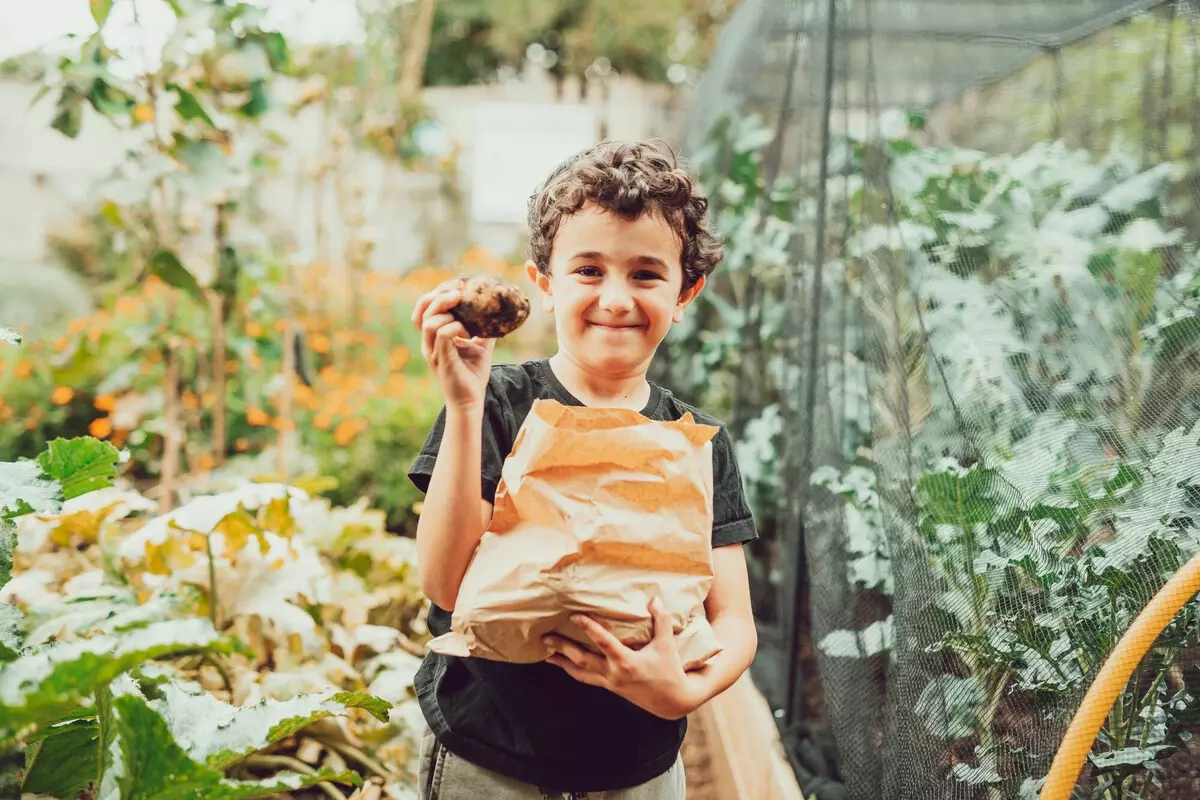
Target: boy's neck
{"x":630,"y":390}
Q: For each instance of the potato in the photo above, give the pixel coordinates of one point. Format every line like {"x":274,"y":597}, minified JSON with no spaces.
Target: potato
{"x":490,"y":308}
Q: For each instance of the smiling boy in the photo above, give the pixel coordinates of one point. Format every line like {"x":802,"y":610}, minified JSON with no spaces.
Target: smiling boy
{"x":619,"y":249}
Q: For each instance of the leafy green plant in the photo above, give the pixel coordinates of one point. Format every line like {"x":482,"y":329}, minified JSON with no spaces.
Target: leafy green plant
{"x":1042,"y":383}
{"x":88,"y":704}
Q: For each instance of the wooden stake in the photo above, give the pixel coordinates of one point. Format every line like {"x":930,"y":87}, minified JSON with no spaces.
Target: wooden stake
{"x":416,"y":50}
{"x":172,"y":432}
{"x":220,"y":423}
{"x":286,"y":423}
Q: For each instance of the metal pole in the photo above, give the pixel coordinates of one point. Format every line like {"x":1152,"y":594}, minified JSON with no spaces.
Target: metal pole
{"x":813,"y":340}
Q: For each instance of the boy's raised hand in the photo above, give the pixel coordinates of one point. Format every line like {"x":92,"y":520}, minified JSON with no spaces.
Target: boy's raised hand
{"x":651,"y":677}
{"x":462,"y":366}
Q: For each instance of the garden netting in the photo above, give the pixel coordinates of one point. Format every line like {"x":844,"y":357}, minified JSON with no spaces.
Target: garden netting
{"x":956,"y":337}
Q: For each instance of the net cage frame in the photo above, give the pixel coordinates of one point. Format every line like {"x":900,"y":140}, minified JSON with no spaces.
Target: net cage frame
{"x":810,"y":68}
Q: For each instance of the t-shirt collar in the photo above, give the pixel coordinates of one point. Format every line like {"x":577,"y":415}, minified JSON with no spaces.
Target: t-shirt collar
{"x":562,"y":395}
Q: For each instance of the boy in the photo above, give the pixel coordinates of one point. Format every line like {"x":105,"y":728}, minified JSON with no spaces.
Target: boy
{"x":620,"y":248}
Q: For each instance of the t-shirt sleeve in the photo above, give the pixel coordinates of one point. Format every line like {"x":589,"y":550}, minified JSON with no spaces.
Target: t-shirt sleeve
{"x":732,"y":520}
{"x":495,"y":449}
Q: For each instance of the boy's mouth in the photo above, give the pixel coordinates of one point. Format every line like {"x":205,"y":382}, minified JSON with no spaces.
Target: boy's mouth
{"x":615,"y":329}
{"x":613,"y":326}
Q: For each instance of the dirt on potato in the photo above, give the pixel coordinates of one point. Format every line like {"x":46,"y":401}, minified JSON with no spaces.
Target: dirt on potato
{"x":490,"y":308}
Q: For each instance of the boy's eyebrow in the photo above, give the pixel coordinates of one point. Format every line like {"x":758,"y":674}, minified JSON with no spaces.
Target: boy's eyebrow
{"x":594,"y":255}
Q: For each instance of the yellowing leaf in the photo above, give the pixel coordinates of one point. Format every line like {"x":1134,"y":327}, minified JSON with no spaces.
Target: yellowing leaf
{"x":237,"y":527}
{"x":82,"y":526}
{"x":171,"y":555}
{"x":276,"y":517}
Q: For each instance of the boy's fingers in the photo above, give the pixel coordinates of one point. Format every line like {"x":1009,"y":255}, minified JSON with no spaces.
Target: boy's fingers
{"x":664,"y":627}
{"x":431,"y":328}
{"x":441,"y":303}
{"x":575,"y":654}
{"x":608,"y":644}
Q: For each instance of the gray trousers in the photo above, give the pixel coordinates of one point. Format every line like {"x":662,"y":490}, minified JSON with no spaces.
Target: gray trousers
{"x":445,"y":776}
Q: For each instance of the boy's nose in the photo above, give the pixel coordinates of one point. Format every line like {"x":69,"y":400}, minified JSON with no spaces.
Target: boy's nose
{"x":615,"y":298}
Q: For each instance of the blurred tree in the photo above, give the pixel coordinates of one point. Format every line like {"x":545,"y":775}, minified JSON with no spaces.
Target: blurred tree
{"x":476,"y":40}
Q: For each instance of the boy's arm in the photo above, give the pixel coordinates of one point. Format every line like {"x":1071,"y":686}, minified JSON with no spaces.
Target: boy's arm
{"x":454,"y":516}
{"x":732,"y":620}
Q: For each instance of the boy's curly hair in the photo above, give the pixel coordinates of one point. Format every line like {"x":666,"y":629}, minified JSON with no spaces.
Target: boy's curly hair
{"x":629,"y":179}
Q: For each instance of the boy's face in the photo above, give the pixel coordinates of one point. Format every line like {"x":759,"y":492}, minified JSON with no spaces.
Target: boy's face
{"x":615,"y":287}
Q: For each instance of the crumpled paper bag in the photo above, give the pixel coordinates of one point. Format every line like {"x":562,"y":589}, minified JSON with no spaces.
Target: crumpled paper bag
{"x":597,"y":511}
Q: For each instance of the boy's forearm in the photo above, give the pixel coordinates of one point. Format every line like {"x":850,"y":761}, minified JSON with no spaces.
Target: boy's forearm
{"x":451,"y":521}
{"x":739,"y":642}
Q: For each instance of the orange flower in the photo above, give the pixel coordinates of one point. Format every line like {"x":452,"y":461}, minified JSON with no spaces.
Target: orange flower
{"x":319,"y":343}
{"x":101,"y":427}
{"x":24,"y":369}
{"x":190,"y":401}
{"x":242,"y":444}
{"x":61,"y":343}
{"x":205,"y":462}
{"x":304,"y":395}
{"x":253,"y":330}
{"x":232,"y":366}
{"x":143,"y":112}
{"x":78,"y":325}
{"x":346,"y":430}
{"x":254,"y":362}
{"x":61,"y":395}
{"x":322,"y":421}
{"x":281,"y":424}
{"x":126,"y":306}
{"x":105,"y":402}
{"x":397,"y":385}
{"x":256,"y":416}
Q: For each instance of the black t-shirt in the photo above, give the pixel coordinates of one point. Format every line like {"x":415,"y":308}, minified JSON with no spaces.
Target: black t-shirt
{"x":534,"y":722}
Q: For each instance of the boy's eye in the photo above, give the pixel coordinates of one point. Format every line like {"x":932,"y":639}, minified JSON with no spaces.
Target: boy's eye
{"x":648,"y":276}
{"x":589,"y":272}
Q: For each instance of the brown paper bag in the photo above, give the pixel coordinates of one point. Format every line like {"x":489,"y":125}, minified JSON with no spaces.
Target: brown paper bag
{"x":597,"y":511}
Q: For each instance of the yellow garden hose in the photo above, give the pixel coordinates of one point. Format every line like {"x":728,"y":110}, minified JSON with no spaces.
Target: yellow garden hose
{"x":1114,"y":675}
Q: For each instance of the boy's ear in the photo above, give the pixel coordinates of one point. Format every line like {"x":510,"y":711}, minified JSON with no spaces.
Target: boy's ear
{"x":687,"y":296}
{"x":542,"y":282}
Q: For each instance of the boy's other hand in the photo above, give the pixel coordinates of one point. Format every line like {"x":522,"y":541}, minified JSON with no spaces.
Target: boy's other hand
{"x":651,"y":677}
{"x":461,"y":365}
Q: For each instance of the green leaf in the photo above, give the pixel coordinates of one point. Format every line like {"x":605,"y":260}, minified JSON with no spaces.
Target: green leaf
{"x":143,"y":762}
{"x":956,"y":496}
{"x":166,"y":265}
{"x":277,"y":49}
{"x":1127,"y":756}
{"x":874,"y":639}
{"x":51,"y":680}
{"x":950,"y":706}
{"x":68,"y":115}
{"x":8,"y":543}
{"x":259,"y":102}
{"x":63,"y":760}
{"x":10,"y":616}
{"x":100,"y":9}
{"x":218,"y":734}
{"x":188,"y":107}
{"x":9,"y":336}
{"x":80,"y":465}
{"x":25,"y":490}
